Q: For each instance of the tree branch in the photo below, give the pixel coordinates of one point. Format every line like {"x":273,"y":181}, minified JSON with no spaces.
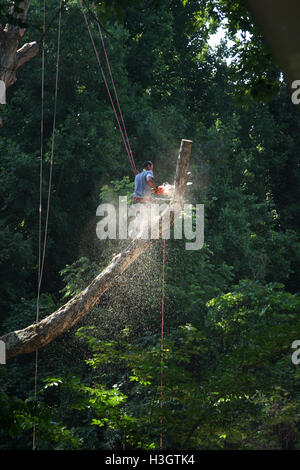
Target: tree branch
{"x":39,"y":334}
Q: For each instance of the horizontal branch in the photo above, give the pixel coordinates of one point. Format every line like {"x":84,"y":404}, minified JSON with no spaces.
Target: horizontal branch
{"x":39,"y":334}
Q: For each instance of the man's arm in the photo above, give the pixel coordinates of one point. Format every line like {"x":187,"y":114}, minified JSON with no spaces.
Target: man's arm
{"x":151,"y":184}
{"x":150,"y":181}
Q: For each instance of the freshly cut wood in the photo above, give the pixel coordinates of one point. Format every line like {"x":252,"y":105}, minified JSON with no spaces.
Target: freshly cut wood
{"x":39,"y":334}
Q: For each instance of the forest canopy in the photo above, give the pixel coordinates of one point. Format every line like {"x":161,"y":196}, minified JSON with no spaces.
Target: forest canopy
{"x":231,"y":308}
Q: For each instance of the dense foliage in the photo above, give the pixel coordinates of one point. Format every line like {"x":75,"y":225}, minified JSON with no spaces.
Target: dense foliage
{"x":231,"y":308}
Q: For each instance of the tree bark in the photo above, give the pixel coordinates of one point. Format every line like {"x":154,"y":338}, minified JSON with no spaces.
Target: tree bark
{"x":11,"y":58}
{"x":39,"y":334}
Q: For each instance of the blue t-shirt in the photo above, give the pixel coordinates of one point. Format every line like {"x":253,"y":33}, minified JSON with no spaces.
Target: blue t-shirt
{"x":141,"y":188}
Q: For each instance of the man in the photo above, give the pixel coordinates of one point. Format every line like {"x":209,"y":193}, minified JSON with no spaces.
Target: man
{"x":143,"y":188}
{"x":144,"y":184}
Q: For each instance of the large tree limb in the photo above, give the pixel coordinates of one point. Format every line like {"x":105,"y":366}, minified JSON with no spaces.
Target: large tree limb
{"x":39,"y":334}
{"x":11,"y":56}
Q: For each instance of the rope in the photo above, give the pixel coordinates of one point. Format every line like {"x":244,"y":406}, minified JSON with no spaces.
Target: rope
{"x":53,"y":140}
{"x":127,"y":147}
{"x":41,"y":167}
{"x":108,"y":91}
{"x":162,"y":336}
{"x":104,"y":29}
{"x":41,"y":256}
{"x":131,"y":159}
{"x":40,"y":215}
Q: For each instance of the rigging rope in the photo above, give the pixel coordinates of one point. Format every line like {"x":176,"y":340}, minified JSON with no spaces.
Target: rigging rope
{"x":131,"y":159}
{"x":53,"y":139}
{"x":122,"y":132}
{"x":115,"y":91}
{"x":41,"y":255}
{"x":40,"y":214}
{"x":41,"y":166}
{"x":162,"y":336}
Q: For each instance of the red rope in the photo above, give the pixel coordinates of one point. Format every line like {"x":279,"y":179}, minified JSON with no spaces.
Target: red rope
{"x":162,"y":334}
{"x":128,"y":150}
{"x":115,"y":91}
{"x":131,"y":159}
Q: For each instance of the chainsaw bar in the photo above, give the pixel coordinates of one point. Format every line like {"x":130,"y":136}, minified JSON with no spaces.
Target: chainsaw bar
{"x":162,"y":199}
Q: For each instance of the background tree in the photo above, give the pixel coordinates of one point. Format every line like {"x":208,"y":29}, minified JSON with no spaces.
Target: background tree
{"x":230,"y":308}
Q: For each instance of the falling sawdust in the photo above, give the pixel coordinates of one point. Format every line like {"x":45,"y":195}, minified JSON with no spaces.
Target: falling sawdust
{"x":136,"y":303}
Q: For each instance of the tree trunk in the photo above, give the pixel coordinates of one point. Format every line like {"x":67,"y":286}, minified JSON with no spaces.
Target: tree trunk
{"x":39,"y":334}
{"x":11,"y":58}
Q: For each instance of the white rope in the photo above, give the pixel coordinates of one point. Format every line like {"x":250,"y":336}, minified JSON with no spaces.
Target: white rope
{"x":41,"y":256}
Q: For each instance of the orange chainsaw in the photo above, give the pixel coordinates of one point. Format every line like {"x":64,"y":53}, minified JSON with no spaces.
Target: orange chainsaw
{"x":167,"y":189}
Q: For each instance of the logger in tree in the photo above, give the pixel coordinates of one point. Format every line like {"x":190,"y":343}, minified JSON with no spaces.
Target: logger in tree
{"x":144,"y":187}
{"x":144,"y":184}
